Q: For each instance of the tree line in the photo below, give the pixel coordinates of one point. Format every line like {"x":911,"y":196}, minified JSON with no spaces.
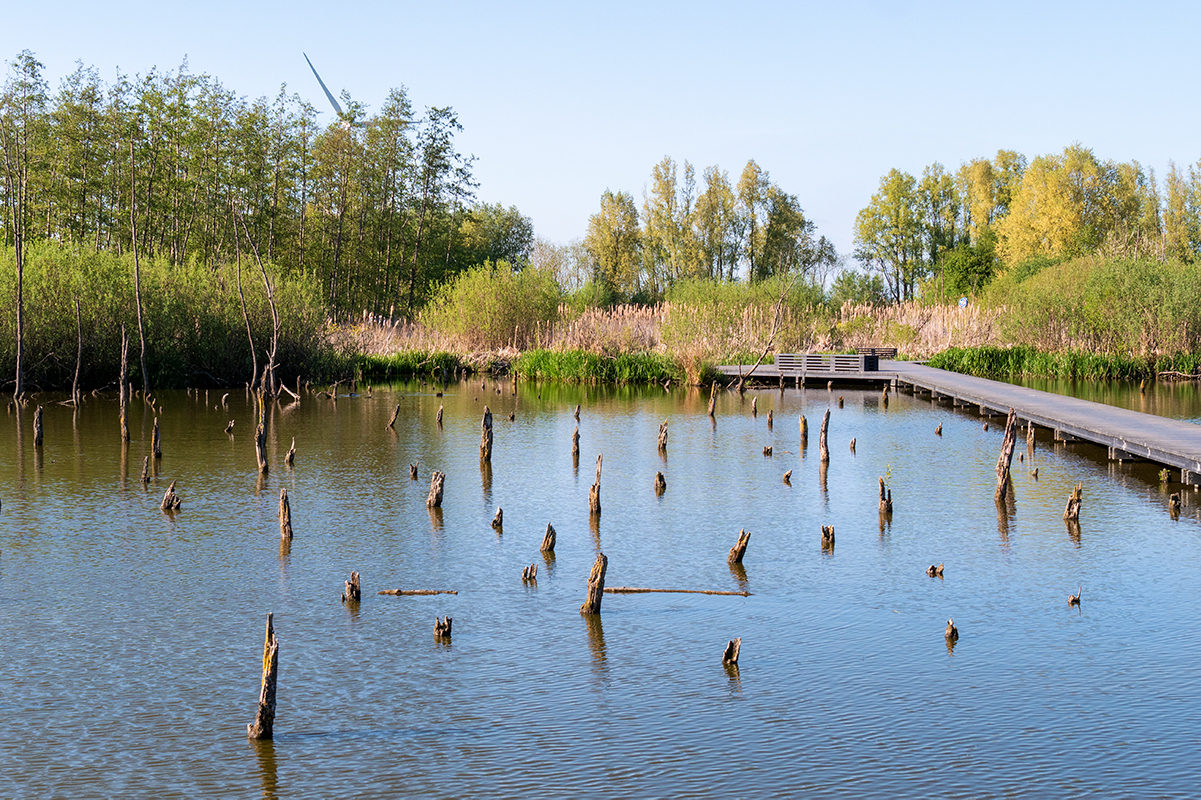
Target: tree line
{"x":946,"y":234}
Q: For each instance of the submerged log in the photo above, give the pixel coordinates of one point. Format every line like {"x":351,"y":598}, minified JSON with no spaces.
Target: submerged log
{"x":730,"y":656}
{"x":1072,"y":510}
{"x":37,"y":427}
{"x":290,"y":456}
{"x":437,"y":479}
{"x":353,"y":593}
{"x":498,"y":521}
{"x":264,"y":718}
{"x":170,"y":499}
{"x":156,"y":441}
{"x":486,"y":435}
{"x":442,"y":627}
{"x":885,"y":499}
{"x":530,"y":574}
{"x":285,"y":515}
{"x":596,"y":586}
{"x":739,"y":548}
{"x":660,"y":484}
{"x":415,"y":592}
{"x":395,"y":414}
{"x":643,"y":590}
{"x":822,"y":448}
{"x":1006,"y":456}
{"x":662,"y":437}
{"x":548,"y":539}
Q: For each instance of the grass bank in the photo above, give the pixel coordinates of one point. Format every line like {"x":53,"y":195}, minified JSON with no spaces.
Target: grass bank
{"x":581,"y":366}
{"x":1008,"y":363}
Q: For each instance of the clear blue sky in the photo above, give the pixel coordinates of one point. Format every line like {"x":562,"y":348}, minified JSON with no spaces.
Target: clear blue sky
{"x":560,"y":101}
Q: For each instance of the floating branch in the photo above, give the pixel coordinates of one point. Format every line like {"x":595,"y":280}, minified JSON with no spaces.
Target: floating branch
{"x":156,"y":441}
{"x":37,"y":427}
{"x":827,"y":536}
{"x":663,"y":437}
{"x":885,"y":499}
{"x":739,"y":548}
{"x":285,"y":515}
{"x":788,"y":477}
{"x":230,"y":427}
{"x":437,"y":479}
{"x":730,"y":656}
{"x":641,"y":590}
{"x":290,"y":456}
{"x":264,"y":718}
{"x":442,"y":627}
{"x":416,"y":592}
{"x":486,"y":435}
{"x":353,"y":592}
{"x":499,"y":520}
{"x":1006,"y":456}
{"x":1072,"y":510}
{"x":170,"y":499}
{"x":596,"y":586}
{"x":530,"y":574}
{"x":395,"y":414}
{"x":548,"y":539}
{"x":933,"y":571}
{"x":823,"y":449}
{"x":660,"y":484}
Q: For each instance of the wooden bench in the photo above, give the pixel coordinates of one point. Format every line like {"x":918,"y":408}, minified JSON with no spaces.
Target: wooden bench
{"x":878,"y":352}
{"x":802,"y":364}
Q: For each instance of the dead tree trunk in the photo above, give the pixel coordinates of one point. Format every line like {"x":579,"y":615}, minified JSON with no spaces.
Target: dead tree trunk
{"x":1006,"y":456}
{"x":170,"y":499}
{"x":663,"y":437}
{"x":660,"y":484}
{"x":146,"y":470}
{"x":730,"y":656}
{"x":486,"y":435}
{"x":739,"y":548}
{"x":264,"y":719}
{"x":575,"y":442}
{"x":123,"y":389}
{"x":76,"y":394}
{"x":594,"y":504}
{"x":260,"y":436}
{"x":1072,"y":511}
{"x":755,"y":407}
{"x":713,"y":399}
{"x":437,"y":479}
{"x":804,"y":432}
{"x":156,"y":441}
{"x":770,"y":419}
{"x":37,"y":427}
{"x":353,"y":593}
{"x":821,"y":439}
{"x":827,"y":536}
{"x":290,"y":456}
{"x":885,"y":499}
{"x":1030,"y":435}
{"x":596,"y":586}
{"x":285,"y":515}
{"x":395,"y":414}
{"x":548,"y":540}
{"x":498,"y":522}
{"x":442,"y":627}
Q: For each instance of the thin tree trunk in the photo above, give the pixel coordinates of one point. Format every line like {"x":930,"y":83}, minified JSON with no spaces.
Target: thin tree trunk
{"x":137,"y":270}
{"x":254,"y":356}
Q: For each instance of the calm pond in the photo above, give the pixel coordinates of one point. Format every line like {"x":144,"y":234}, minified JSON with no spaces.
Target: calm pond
{"x":132,"y":639}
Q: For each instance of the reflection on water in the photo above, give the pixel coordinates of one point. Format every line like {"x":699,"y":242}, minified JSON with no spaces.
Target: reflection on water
{"x":842,"y":649}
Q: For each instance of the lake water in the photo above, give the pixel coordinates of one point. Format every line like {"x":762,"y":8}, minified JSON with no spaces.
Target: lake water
{"x":132,"y":639}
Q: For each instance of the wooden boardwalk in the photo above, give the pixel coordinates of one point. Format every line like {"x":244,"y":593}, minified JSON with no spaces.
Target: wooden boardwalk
{"x":1127,"y":434}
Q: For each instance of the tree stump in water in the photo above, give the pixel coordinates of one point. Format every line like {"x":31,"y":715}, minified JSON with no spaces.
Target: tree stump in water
{"x":884,"y":398}
{"x":933,"y":571}
{"x":530,"y":574}
{"x":1072,"y":510}
{"x":437,"y":479}
{"x":577,"y":412}
{"x":1006,"y":456}
{"x":852,"y":444}
{"x":596,"y":586}
{"x":170,"y":499}
{"x":264,"y":718}
{"x":767,"y":450}
{"x":660,"y":484}
{"x":1174,"y":504}
{"x":754,"y":406}
{"x":548,"y":539}
{"x":739,"y":548}
{"x":840,"y":401}
{"x":285,"y":515}
{"x":730,"y":656}
{"x":770,"y":419}
{"x":395,"y":414}
{"x":146,"y":470}
{"x":885,"y":499}
{"x":412,"y":472}
{"x":156,"y":441}
{"x":440,"y":407}
{"x":442,"y":627}
{"x":290,"y":456}
{"x":260,"y":438}
{"x":713,"y":399}
{"x":486,"y":435}
{"x":662,"y":437}
{"x":499,"y":520}
{"x":822,"y":448}
{"x":804,"y":431}
{"x":575,"y":442}
{"x":938,"y":430}
{"x":230,"y":427}
{"x":1030,"y":435}
{"x":594,"y":504}
{"x":353,"y":592}
{"x":788,"y":477}
{"x":827,"y":536}
{"x":37,"y":427}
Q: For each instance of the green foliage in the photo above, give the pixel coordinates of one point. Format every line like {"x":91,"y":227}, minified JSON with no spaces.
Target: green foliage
{"x":493,"y":305}
{"x":405,"y":363}
{"x":584,"y":366}
{"x":1008,"y":363}
{"x":856,"y":287}
{"x":969,"y":268}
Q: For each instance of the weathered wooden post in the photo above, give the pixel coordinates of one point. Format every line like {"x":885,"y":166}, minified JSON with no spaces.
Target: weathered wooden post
{"x":156,"y":441}
{"x":146,"y":470}
{"x":596,"y":586}
{"x":594,"y":504}
{"x":486,"y":435}
{"x":37,"y":427}
{"x":575,"y":442}
{"x":885,"y":499}
{"x":530,"y":574}
{"x":822,"y":448}
{"x":1030,"y":435}
{"x":285,"y":515}
{"x":498,"y":521}
{"x":713,"y":399}
{"x":170,"y":499}
{"x":730,"y":656}
{"x":660,"y":484}
{"x":123,"y":385}
{"x":754,"y":406}
{"x":1006,"y":456}
{"x":804,"y":432}
{"x":548,"y":540}
{"x":395,"y":414}
{"x":827,"y":536}
{"x":662,"y":436}
{"x":739,"y":548}
{"x":770,"y":419}
{"x":260,"y":437}
{"x":264,"y":719}
{"x":442,"y":627}
{"x":353,"y":592}
{"x":577,"y":412}
{"x":440,"y":407}
{"x":412,"y":472}
{"x":1072,"y":511}
{"x":435,"y":497}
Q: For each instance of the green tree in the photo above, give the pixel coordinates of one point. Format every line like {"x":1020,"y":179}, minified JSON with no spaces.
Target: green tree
{"x":715,"y":227}
{"x":491,"y":232}
{"x":613,"y":242}
{"x":888,"y":235}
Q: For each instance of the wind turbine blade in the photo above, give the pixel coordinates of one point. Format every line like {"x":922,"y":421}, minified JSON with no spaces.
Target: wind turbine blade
{"x":332,"y":101}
